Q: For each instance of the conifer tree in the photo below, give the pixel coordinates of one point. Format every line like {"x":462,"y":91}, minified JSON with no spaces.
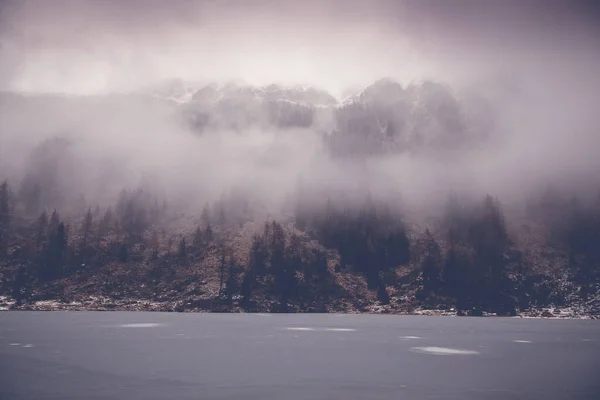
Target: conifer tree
{"x":86,"y":228}
{"x":5,"y":217}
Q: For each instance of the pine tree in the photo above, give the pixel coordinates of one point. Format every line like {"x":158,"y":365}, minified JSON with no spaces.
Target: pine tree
{"x":133,"y":219}
{"x":280,"y":266}
{"x":222,"y":268}
{"x":277,"y":245}
{"x":247,"y":286}
{"x":106,"y":224}
{"x":54,"y":222}
{"x":123,"y":252}
{"x":489,"y":239}
{"x":42,"y":228}
{"x":86,"y":227}
{"x":221,"y":215}
{"x":451,"y":273}
{"x":258,"y":255}
{"x":231,"y":283}
{"x":198,"y":240}
{"x":182,"y":251}
{"x":61,"y":243}
{"x":154,"y":245}
{"x":431,"y":262}
{"x":57,"y":248}
{"x":319,"y":265}
{"x":4,"y":205}
{"x":460,"y":275}
{"x":208,"y":234}
{"x":18,"y":284}
{"x":4,"y":217}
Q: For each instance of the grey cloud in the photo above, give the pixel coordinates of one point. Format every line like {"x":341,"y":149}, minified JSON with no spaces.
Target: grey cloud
{"x":534,"y":62}
{"x":87,"y":46}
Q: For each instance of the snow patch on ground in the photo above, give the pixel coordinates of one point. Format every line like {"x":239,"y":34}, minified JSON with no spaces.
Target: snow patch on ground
{"x":443,"y":351}
{"x":140,"y":325}
{"x":6,"y":303}
{"x":446,"y":313}
{"x":522,"y":341}
{"x":340,"y":329}
{"x":299,"y":329}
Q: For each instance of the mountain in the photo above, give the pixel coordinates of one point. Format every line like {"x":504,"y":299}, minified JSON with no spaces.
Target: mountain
{"x":329,"y":250}
{"x":384,"y":117}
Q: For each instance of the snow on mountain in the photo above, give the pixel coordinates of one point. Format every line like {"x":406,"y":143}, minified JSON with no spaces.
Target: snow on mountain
{"x":175,"y":90}
{"x":381,"y":118}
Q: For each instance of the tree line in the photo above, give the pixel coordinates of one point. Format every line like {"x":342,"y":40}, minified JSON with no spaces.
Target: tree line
{"x":468,"y":260}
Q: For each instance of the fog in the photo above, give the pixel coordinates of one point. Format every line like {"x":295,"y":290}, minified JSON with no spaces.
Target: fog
{"x":522,"y":78}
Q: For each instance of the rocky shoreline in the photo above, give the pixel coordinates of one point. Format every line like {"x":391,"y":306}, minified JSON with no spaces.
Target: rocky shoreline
{"x":213,"y":305}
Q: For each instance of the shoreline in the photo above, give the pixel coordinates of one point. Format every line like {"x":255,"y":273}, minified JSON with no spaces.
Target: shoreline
{"x":213,"y":306}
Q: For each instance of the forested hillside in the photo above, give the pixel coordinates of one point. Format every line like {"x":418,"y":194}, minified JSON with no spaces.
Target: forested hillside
{"x":240,"y":198}
{"x":335,"y":258}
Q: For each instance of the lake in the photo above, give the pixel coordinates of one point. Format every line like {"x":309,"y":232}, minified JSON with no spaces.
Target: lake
{"x":129,"y":355}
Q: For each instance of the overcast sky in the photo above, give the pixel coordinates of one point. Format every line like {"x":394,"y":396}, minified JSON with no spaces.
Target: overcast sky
{"x":95,"y":46}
